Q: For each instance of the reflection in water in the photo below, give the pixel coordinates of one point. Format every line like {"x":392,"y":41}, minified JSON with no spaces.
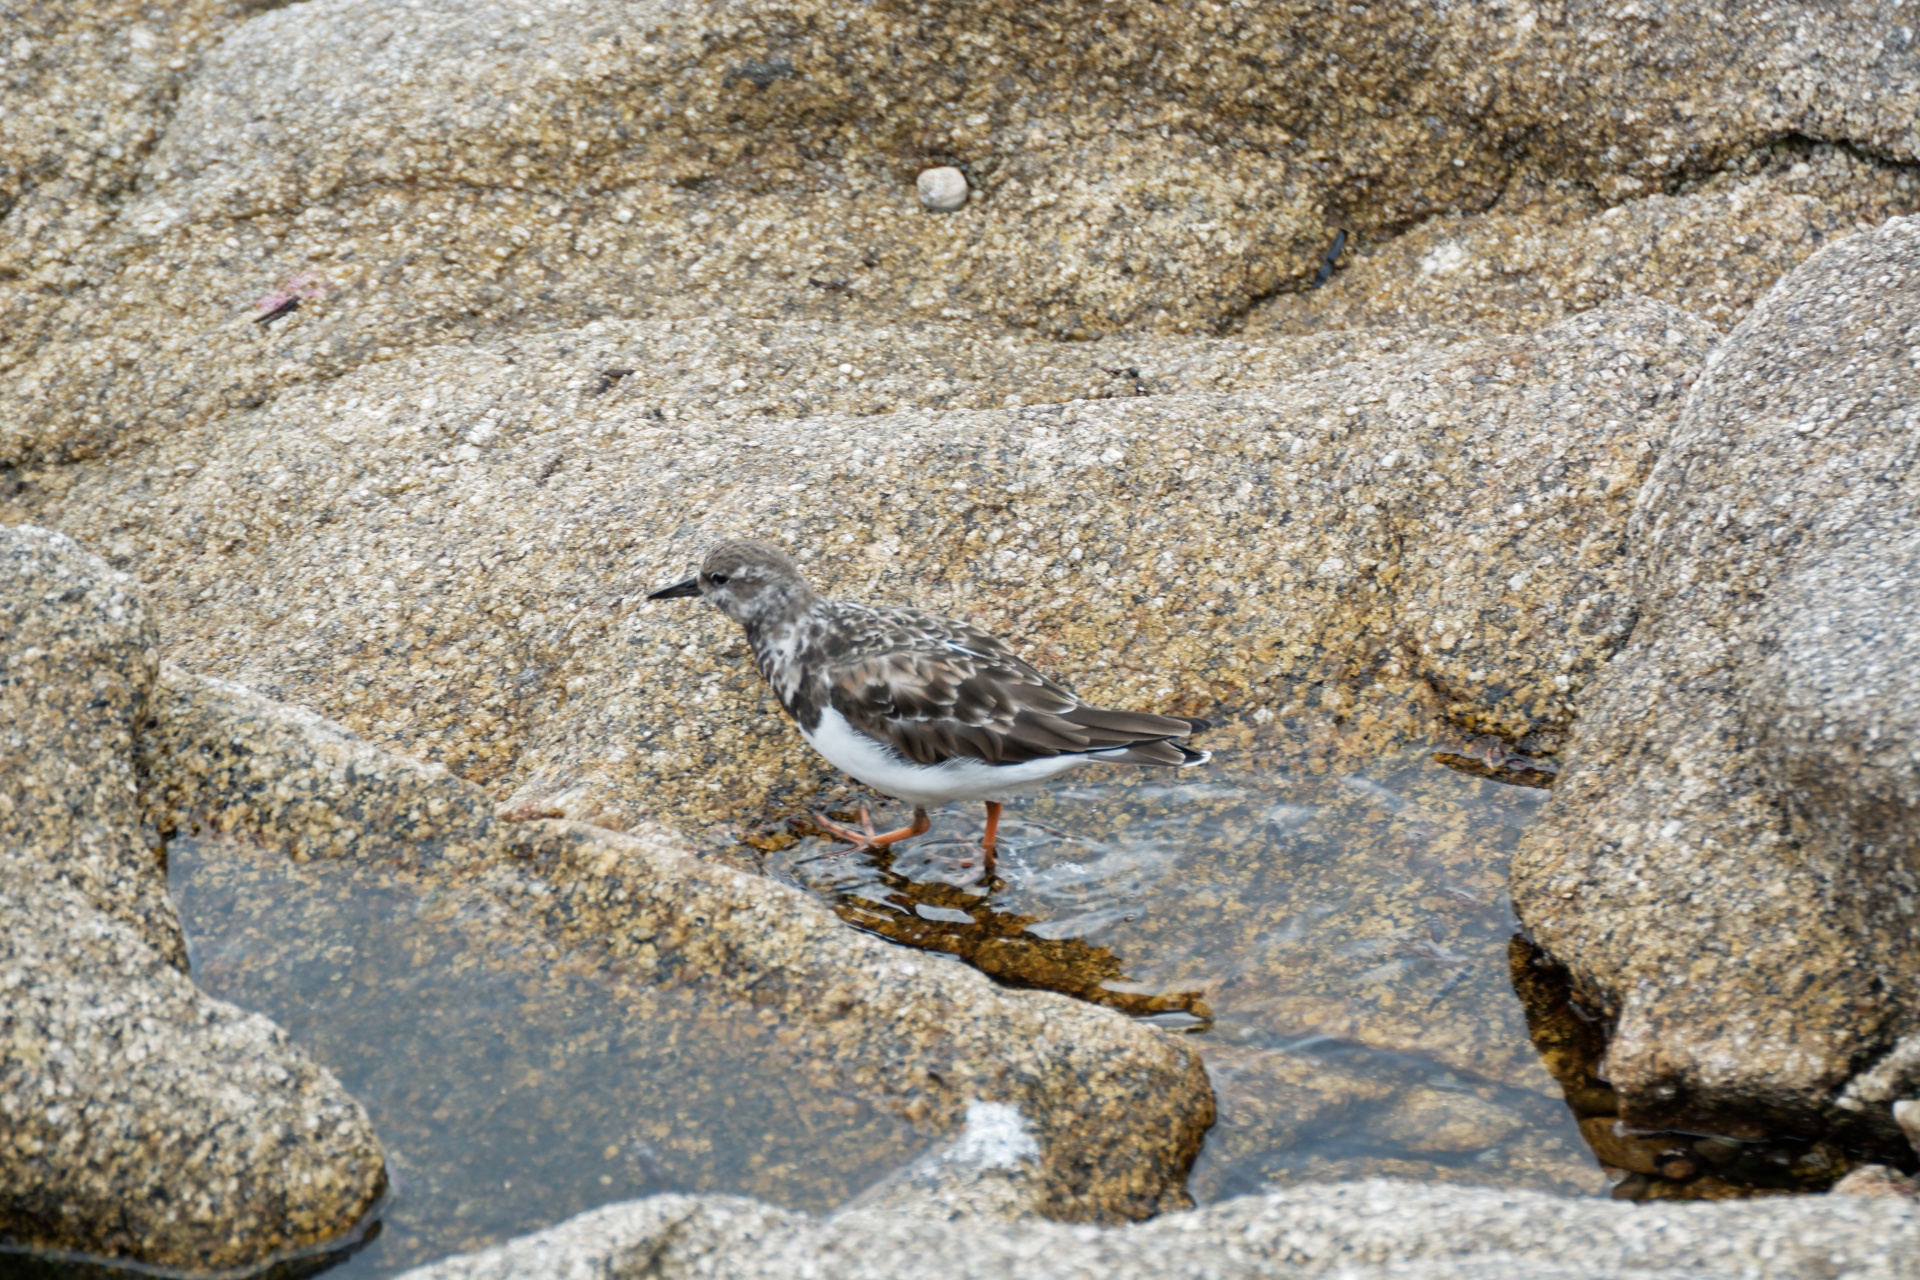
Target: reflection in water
{"x":511,"y":1083}
{"x":1716,"y":1159}
{"x":1327,"y":918}
{"x":927,"y":896}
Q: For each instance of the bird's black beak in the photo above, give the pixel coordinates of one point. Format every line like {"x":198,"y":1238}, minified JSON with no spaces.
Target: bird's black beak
{"x":679,"y":590}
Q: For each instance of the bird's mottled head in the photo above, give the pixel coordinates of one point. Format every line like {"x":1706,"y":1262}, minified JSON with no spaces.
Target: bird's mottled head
{"x":754,"y":583}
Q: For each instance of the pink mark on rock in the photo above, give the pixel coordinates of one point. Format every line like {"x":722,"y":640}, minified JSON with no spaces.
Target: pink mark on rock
{"x":295,"y":289}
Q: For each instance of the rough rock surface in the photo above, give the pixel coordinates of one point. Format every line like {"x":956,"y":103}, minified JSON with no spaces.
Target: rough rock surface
{"x":1362,"y":1230}
{"x":450,"y":555}
{"x":80,"y":659}
{"x":138,"y":1118}
{"x":583,"y":284}
{"x":1711,"y":248}
{"x":87,"y":89}
{"x":1116,"y":1110}
{"x":1729,"y":868}
{"x":453,"y":169}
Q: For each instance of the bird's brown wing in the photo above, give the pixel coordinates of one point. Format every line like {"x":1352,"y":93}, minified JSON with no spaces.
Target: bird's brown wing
{"x":935,"y":690}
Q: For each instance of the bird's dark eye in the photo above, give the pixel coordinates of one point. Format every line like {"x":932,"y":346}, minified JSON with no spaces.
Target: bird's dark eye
{"x":717,"y":579}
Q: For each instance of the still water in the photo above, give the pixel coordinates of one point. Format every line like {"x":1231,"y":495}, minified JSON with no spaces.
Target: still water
{"x":510,"y":1085}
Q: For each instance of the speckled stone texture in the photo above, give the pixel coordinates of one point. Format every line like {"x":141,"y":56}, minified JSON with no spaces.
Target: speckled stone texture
{"x":1712,"y":247}
{"x":86,"y":88}
{"x":138,"y":1118}
{"x":1729,"y":866}
{"x":450,"y":555}
{"x":453,"y":168}
{"x":1116,"y":1110}
{"x":1358,"y":1231}
{"x":79,"y":658}
{"x":589,"y":283}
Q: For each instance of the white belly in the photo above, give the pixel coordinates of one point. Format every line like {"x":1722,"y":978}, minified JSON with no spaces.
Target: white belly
{"x":921,"y":784}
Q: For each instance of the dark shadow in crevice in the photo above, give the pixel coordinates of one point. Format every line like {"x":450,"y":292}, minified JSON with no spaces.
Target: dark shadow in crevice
{"x":1707,"y":1158}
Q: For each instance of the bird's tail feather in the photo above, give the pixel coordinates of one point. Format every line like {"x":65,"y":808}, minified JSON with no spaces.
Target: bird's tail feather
{"x":1136,"y":737}
{"x":1161,"y":751}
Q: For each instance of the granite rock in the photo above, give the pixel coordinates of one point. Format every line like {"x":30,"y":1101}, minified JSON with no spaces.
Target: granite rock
{"x":1370,"y":1229}
{"x":449,"y":556}
{"x":461,"y":169}
{"x":139,"y":1119}
{"x":1728,"y":867}
{"x":1711,"y":248}
{"x":87,"y":90}
{"x":80,"y":659}
{"x":142,"y":1121}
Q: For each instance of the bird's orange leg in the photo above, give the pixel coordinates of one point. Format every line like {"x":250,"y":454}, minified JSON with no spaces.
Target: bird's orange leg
{"x":867,"y":837}
{"x":986,"y":841}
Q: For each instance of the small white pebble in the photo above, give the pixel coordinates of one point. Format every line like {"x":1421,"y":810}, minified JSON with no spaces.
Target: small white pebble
{"x":942,"y":190}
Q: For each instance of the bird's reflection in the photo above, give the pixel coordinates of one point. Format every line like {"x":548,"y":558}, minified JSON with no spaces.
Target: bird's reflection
{"x":930,"y":894}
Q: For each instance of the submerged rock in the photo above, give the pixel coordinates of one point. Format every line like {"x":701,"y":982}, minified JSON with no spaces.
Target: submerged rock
{"x":139,"y":1119}
{"x":1728,"y":868}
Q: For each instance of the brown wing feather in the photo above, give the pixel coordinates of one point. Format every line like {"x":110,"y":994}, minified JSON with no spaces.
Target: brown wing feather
{"x":935,"y":689}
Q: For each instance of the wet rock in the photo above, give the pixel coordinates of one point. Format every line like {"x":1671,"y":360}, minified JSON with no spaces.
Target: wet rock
{"x":1113,"y":1112}
{"x":143,"y":1121}
{"x":1367,"y":1229}
{"x":138,"y":1119}
{"x":1876,"y":1181}
{"x":1727,"y":868}
{"x":1623,"y":1150}
{"x":942,"y":190}
{"x":1299,"y":1118}
{"x":370,"y":550}
{"x":1906,"y":1114}
{"x":991,"y":1170}
{"x":1446,"y":1121}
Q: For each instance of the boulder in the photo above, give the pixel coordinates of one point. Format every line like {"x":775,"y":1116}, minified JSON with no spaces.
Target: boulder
{"x":437,"y":171}
{"x":1728,"y":868}
{"x":139,"y":1120}
{"x":1368,"y":1230}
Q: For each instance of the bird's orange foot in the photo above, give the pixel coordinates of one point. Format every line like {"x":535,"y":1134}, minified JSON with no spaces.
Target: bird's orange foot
{"x":867,"y":837}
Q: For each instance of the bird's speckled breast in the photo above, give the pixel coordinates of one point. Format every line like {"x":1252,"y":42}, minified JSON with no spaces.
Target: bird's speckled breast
{"x":788,"y":654}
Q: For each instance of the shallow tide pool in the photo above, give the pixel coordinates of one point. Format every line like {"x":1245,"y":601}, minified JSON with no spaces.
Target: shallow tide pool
{"x":1328,"y":924}
{"x":1325,"y":922}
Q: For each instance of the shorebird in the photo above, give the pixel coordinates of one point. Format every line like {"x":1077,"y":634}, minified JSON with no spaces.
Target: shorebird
{"x":919,"y":707}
